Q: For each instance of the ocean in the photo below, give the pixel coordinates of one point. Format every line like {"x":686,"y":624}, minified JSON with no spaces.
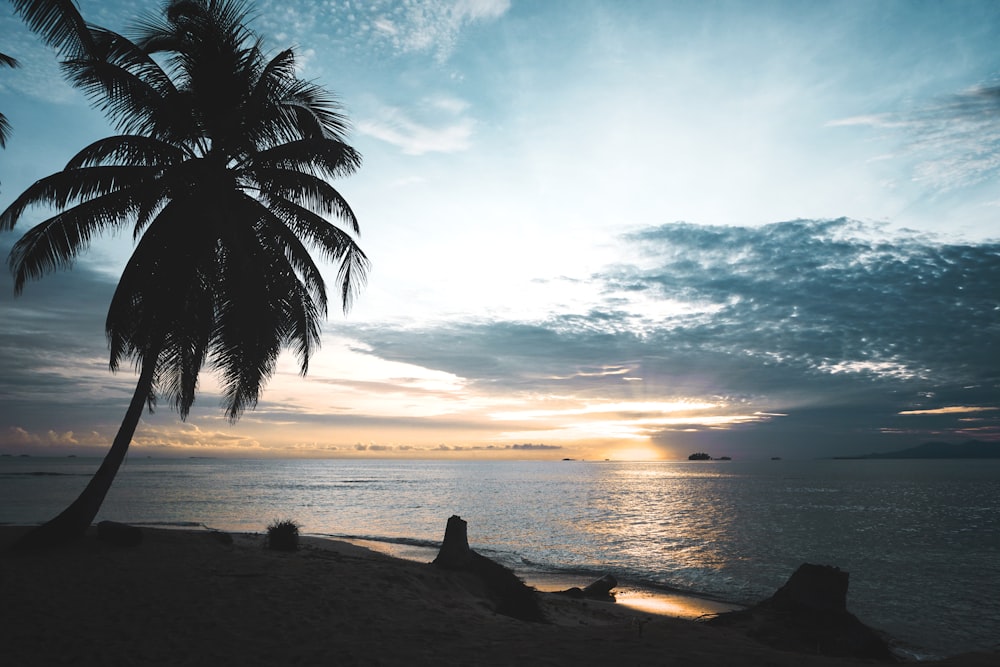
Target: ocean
{"x":920,"y":538}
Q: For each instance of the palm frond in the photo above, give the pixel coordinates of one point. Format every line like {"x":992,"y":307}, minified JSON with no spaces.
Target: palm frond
{"x":333,"y":242}
{"x":352,"y":274}
{"x":58,"y":22}
{"x":195,"y":33}
{"x":250,"y":329}
{"x":324,"y":156}
{"x":304,"y":189}
{"x":54,"y":243}
{"x":128,"y":86}
{"x":295,"y":252}
{"x":5,"y":130}
{"x":165,"y":302}
{"x":66,"y":187}
{"x":264,"y":121}
{"x":317,"y":110}
{"x":300,"y":311}
{"x":336,"y":245}
{"x":128,"y":149}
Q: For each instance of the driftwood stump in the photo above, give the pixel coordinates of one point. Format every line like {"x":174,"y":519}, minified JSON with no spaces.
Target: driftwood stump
{"x":509,"y":594}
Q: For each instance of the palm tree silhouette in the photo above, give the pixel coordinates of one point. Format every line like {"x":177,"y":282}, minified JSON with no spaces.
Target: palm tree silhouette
{"x":221,"y":168}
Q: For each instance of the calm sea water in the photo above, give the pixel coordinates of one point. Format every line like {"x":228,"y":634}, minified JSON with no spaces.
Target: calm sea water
{"x":921,"y":539}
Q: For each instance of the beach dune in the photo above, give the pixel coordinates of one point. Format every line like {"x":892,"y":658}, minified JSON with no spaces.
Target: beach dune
{"x":206,"y":598}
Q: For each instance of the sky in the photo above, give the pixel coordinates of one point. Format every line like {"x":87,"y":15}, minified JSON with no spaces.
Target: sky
{"x":598,"y":229}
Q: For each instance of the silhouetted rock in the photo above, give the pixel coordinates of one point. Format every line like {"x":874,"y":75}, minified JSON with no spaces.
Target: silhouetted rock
{"x":511,"y":596}
{"x":809,"y":614}
{"x":700,"y":456}
{"x":597,"y":590}
{"x":119,"y":534}
{"x":819,"y":588}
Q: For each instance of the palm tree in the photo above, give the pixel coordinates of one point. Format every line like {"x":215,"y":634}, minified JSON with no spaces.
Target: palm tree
{"x":221,"y":168}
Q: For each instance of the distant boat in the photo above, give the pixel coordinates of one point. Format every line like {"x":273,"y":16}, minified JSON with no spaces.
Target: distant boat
{"x":699,"y":456}
{"x":724,"y":458}
{"x":775,"y":458}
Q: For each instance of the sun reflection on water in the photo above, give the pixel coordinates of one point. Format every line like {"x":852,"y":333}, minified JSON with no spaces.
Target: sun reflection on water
{"x":669,"y":604}
{"x":672,"y":516}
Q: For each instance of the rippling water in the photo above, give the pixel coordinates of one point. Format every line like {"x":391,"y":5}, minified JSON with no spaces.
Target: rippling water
{"x":921,"y":539}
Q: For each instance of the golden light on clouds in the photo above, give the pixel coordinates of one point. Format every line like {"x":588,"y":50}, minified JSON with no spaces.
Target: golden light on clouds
{"x":951,"y":410}
{"x":354,"y":403}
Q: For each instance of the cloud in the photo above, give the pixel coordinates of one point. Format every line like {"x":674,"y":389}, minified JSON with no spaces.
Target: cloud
{"x":838,"y":320}
{"x":525,"y":447}
{"x":38,"y":74}
{"x":53,"y":357}
{"x":18,"y":436}
{"x":951,"y":409}
{"x":189,"y":436}
{"x":409,"y":27}
{"x":829,"y":297}
{"x":802,"y":337}
{"x":433,"y":26}
{"x":442,"y":128}
{"x":953,"y":141}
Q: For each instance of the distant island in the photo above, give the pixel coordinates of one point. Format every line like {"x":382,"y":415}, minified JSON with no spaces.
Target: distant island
{"x":702,"y":456}
{"x":972,"y":449}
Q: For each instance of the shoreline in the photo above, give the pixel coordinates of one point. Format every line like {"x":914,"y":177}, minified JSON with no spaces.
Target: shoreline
{"x":677,"y":604}
{"x":197,"y":597}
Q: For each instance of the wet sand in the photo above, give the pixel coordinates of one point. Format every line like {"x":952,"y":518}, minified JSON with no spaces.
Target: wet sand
{"x":656,"y":601}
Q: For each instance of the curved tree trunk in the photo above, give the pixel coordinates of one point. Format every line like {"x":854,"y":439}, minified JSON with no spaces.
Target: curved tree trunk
{"x":71,"y":524}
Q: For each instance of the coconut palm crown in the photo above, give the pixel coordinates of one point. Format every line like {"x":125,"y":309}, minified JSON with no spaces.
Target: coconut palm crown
{"x":221,"y":169}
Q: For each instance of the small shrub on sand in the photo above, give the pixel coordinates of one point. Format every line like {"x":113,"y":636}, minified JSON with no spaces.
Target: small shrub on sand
{"x":282,"y":536}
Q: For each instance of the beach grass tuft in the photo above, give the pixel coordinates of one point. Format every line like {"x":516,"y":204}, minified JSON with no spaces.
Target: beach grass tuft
{"x":282,"y":535}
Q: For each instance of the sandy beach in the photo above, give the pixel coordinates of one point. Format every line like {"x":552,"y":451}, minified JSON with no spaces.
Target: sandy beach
{"x":203,"y":598}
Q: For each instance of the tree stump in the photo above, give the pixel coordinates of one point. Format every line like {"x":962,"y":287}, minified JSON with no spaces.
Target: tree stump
{"x":455,"y":553}
{"x":509,"y":594}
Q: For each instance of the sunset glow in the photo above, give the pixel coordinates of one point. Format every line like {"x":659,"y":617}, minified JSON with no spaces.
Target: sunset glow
{"x":617,"y":230}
